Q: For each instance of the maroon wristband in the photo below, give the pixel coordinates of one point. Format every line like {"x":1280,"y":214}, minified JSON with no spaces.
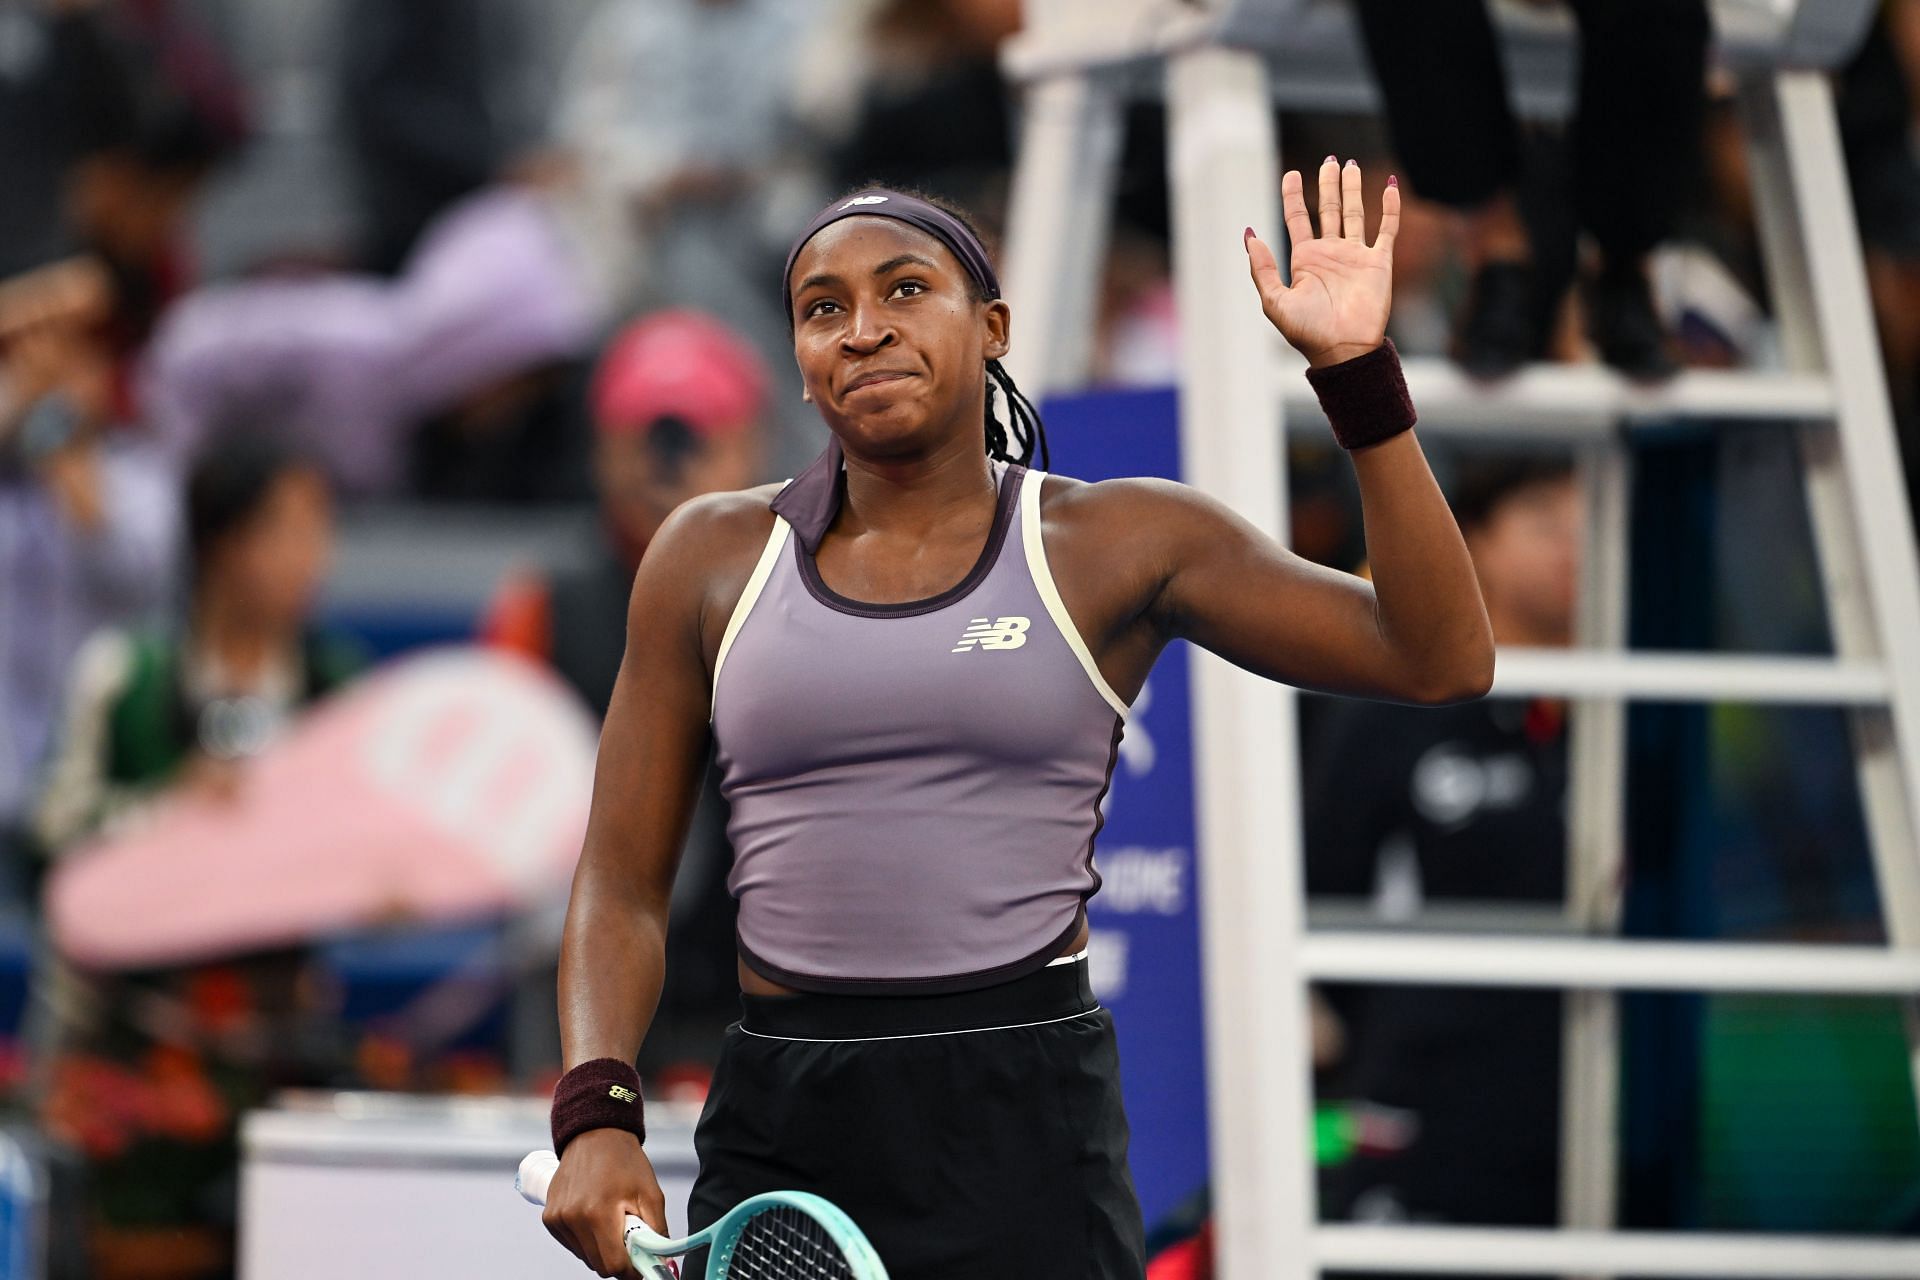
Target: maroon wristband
{"x":601,"y":1094}
{"x":1365,"y":398}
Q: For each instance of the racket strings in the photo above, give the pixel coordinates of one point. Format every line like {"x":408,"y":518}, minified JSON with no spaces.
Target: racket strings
{"x":785,"y":1243}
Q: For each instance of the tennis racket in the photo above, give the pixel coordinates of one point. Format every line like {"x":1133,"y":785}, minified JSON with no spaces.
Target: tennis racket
{"x":782,"y":1235}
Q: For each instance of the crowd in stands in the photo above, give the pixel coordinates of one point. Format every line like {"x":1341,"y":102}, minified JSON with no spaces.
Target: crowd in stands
{"x":260,"y":259}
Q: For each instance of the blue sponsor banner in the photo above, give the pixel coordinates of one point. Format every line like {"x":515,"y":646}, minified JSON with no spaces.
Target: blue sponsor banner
{"x":1146,"y":941}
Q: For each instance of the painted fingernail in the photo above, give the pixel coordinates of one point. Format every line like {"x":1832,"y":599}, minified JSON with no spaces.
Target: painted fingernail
{"x":1353,"y":164}
{"x":1248,"y":236}
{"x":1393,"y":180}
{"x":1328,"y":160}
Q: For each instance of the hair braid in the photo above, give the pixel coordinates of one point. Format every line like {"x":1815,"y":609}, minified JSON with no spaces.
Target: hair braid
{"x":1023,"y":436}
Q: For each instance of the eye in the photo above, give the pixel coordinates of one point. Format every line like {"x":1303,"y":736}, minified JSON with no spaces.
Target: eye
{"x":816,"y":308}
{"x":911,"y":286}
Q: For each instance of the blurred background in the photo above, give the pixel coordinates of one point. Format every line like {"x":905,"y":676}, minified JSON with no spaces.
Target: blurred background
{"x":351,"y":352}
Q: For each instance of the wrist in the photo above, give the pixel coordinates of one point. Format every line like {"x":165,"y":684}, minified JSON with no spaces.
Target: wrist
{"x":601,"y":1094}
{"x":1365,"y":397}
{"x":1339,"y":353}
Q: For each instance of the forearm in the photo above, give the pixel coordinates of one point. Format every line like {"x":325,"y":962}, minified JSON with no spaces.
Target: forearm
{"x":1427,"y":599}
{"x":612,"y":962}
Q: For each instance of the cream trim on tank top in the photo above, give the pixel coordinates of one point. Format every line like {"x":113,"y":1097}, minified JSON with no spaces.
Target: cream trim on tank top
{"x":1050,"y":594}
{"x":749,"y":596}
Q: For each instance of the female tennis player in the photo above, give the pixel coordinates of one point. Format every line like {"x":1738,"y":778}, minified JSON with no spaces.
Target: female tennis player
{"x":913,"y":661}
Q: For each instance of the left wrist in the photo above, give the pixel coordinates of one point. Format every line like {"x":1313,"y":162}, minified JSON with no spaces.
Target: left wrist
{"x":1339,"y":353}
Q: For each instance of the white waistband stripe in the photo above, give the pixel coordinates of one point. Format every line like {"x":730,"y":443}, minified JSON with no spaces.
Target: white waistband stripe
{"x":920,"y":1035}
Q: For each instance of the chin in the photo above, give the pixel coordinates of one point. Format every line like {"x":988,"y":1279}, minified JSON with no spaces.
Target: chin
{"x":895,"y":431}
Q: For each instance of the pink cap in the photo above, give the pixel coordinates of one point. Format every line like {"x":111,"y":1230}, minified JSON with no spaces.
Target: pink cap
{"x":679,"y":364}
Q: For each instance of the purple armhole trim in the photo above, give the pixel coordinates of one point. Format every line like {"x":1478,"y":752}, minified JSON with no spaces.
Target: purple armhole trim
{"x":942,"y":986}
{"x":1008,"y":501}
{"x":1365,"y":398}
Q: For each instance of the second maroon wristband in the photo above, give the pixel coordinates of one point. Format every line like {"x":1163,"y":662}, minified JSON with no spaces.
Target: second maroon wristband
{"x":1365,"y":398}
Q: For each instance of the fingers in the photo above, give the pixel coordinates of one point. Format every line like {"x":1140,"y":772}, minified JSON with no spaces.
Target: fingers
{"x":1263,"y":268}
{"x":610,"y":1233}
{"x":1389,"y":216}
{"x":1329,"y":197}
{"x":652,"y":1210}
{"x":1293,"y":207}
{"x":1353,"y":206}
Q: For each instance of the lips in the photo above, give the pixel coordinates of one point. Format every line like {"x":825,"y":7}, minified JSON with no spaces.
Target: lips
{"x":874,"y":377}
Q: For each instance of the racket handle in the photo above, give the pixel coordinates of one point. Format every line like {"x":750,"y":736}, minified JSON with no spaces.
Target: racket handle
{"x":535,"y":1176}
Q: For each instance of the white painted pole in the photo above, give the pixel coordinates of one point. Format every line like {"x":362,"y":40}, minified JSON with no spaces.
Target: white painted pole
{"x":1057,"y":227}
{"x":1222,"y":157}
{"x":1596,"y":853}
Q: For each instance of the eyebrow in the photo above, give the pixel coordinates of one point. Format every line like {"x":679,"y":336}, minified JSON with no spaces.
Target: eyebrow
{"x":891,"y":264}
{"x":902,"y":260}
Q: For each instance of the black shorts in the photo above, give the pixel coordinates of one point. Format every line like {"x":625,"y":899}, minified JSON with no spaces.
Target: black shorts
{"x":969,"y":1135}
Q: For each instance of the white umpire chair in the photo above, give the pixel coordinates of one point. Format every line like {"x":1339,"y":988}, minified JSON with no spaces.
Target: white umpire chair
{"x":1221,"y":66}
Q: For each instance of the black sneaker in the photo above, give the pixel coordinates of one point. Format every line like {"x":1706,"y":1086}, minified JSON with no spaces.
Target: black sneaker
{"x":1624,"y":326}
{"x":1501,"y":328}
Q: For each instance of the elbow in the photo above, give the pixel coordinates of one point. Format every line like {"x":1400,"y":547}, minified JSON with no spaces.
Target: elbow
{"x":1466,"y":680}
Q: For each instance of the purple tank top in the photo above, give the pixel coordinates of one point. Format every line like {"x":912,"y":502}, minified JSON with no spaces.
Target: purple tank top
{"x":915,"y":787}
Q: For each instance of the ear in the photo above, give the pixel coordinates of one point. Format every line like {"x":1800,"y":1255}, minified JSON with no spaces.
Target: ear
{"x":998,"y":318}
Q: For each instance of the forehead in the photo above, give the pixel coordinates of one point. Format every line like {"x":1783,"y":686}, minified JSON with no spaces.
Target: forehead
{"x":855,"y":246}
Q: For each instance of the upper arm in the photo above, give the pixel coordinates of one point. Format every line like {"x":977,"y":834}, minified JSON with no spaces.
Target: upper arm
{"x":1234,"y":591}
{"x":653,"y":746}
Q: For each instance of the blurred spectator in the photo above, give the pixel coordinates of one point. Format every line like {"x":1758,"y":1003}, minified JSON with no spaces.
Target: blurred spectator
{"x":149,"y":1072}
{"x":113,"y":119}
{"x":1462,"y":803}
{"x":492,"y":302}
{"x":87,"y":518}
{"x":147,"y":709}
{"x":681,"y":115}
{"x":435,"y":106}
{"x":936,"y":114}
{"x":35,"y":88}
{"x":1634,"y":138}
{"x":152,"y":111}
{"x":678,"y":403}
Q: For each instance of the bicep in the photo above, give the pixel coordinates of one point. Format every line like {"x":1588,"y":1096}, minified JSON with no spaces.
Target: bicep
{"x":653,"y":745}
{"x":1236,"y":592}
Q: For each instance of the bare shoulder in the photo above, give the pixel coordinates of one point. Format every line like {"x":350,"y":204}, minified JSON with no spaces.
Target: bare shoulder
{"x":698,"y":563}
{"x":1127,"y":508}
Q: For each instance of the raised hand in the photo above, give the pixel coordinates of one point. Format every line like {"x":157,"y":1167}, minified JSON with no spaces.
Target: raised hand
{"x":1336,"y":308}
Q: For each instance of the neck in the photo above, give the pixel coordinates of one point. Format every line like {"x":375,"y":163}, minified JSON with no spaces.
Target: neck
{"x":239,"y":639}
{"x":913,"y":496}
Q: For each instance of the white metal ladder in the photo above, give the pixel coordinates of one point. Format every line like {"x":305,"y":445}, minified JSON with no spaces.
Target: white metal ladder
{"x":1222,"y":67}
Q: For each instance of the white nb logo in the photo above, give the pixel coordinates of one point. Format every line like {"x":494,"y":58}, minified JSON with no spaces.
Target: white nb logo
{"x":864,"y":200}
{"x":997,"y":633}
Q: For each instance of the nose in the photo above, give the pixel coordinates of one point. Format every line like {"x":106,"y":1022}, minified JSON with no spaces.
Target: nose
{"x":867,"y":331}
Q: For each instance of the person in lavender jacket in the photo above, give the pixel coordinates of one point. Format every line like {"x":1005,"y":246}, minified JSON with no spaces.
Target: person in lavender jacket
{"x":914,"y":661}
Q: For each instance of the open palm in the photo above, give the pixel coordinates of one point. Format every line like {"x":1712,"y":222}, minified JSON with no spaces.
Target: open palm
{"x":1342,"y":289}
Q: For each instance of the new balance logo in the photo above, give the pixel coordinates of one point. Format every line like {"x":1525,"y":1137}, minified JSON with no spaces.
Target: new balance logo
{"x":863,"y":200}
{"x":621,"y":1093}
{"x":998,"y":633}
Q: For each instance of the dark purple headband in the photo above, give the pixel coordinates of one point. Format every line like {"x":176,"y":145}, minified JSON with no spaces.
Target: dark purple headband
{"x":880,"y":202}
{"x":811,"y":499}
